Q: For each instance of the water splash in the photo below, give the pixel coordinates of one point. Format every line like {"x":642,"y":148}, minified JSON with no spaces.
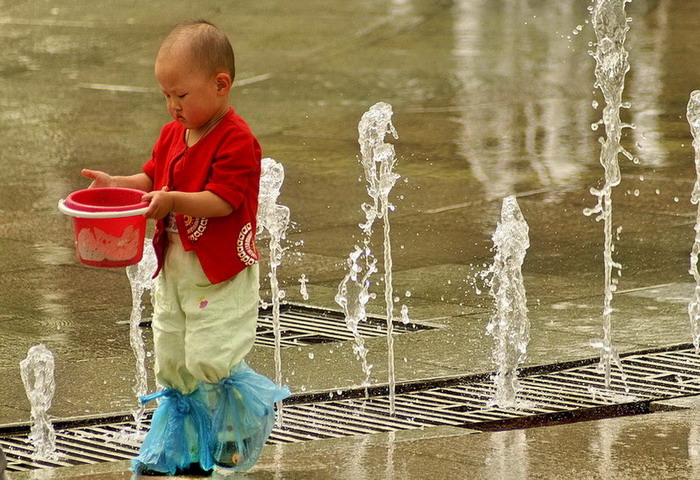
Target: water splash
{"x":37,"y":372}
{"x":141,"y":279}
{"x":405,"y":319}
{"x":274,"y":218}
{"x":610,"y":24}
{"x":509,"y":325}
{"x":353,"y":296}
{"x":302,"y":287}
{"x":693,"y":115}
{"x":378,"y":159}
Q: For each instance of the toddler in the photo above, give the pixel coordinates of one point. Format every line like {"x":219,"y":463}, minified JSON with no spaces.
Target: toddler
{"x":202,"y":184}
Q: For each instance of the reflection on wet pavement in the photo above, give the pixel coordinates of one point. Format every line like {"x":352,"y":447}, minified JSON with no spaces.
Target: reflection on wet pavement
{"x":491,"y":98}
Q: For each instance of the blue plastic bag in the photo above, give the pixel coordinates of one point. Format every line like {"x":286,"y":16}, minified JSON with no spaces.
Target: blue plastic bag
{"x":243,"y":414}
{"x":179,"y":434}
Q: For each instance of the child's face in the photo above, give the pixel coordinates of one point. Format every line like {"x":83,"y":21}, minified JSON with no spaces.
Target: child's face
{"x":192,"y":97}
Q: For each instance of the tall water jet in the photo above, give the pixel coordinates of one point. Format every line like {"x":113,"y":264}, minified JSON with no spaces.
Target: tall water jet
{"x":37,"y":371}
{"x":141,"y":279}
{"x":610,"y":24}
{"x":378,"y":159}
{"x":509,"y":324}
{"x":275,"y":219}
{"x":693,"y":115}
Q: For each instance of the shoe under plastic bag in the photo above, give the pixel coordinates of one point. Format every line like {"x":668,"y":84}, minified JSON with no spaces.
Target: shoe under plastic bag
{"x":179,"y":434}
{"x":243,"y":417}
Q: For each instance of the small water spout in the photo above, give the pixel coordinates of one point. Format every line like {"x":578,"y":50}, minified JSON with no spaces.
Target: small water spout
{"x":693,"y":115}
{"x":610,"y":24}
{"x":275,"y":219}
{"x":141,"y":279}
{"x":509,"y":325}
{"x":37,"y":371}
{"x":302,"y":287}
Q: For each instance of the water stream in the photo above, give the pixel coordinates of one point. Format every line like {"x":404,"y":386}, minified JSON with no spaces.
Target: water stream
{"x":141,"y":279}
{"x":693,"y":115}
{"x":37,"y":371}
{"x":509,"y":325}
{"x":353,"y":296}
{"x":378,"y":159}
{"x":274,"y":219}
{"x":610,"y":24}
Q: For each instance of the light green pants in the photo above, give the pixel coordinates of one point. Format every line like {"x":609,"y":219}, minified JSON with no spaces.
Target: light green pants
{"x":200,"y":331}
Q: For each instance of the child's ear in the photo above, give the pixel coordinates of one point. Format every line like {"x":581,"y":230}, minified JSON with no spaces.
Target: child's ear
{"x":223,"y":83}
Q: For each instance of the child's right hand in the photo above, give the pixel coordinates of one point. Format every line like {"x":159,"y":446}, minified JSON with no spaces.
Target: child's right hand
{"x":99,"y":179}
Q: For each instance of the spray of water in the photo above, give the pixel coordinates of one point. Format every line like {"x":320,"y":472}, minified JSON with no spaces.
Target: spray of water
{"x":353,"y":296}
{"x":509,"y":325}
{"x":274,"y":219}
{"x":302,"y":286}
{"x":693,"y":116}
{"x":141,"y":279}
{"x":610,"y":24}
{"x":37,"y":371}
{"x":378,"y":159}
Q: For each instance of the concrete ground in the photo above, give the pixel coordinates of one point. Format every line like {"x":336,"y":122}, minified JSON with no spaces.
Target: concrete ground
{"x":490,"y":99}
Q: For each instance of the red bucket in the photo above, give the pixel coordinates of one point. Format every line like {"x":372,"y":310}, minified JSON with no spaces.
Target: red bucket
{"x":109,"y":225}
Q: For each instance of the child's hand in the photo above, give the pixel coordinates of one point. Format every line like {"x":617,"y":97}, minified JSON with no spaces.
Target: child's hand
{"x":99,"y":179}
{"x":162,"y":203}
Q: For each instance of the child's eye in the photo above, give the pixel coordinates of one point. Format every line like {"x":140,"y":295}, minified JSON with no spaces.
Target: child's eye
{"x":182,"y":96}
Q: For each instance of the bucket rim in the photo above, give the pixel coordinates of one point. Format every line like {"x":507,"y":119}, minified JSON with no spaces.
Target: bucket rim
{"x":110,"y":214}
{"x":82,"y":205}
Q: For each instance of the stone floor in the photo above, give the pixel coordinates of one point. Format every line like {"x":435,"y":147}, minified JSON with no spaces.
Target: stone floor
{"x":502,"y":107}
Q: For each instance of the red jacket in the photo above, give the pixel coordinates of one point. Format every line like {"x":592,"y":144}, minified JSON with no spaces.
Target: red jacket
{"x":226,"y":162}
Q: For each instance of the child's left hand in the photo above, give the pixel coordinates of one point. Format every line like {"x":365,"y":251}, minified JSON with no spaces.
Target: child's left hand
{"x":162,"y":203}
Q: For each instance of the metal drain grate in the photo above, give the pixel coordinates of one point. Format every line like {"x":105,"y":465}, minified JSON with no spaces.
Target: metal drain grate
{"x":547,"y":394}
{"x":302,"y":325}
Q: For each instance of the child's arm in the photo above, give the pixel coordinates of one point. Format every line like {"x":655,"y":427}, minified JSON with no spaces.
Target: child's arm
{"x":195,"y":204}
{"x":139,"y":181}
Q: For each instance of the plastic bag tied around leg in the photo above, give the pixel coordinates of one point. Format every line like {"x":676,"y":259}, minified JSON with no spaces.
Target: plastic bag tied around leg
{"x":243,"y":417}
{"x":179,"y":434}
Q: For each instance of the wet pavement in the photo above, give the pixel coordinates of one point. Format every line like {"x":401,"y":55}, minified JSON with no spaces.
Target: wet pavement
{"x":490,"y":99}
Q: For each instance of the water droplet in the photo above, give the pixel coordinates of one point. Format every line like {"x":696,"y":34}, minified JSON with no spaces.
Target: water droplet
{"x":311,"y":356}
{"x":658,"y":191}
{"x":594,"y":104}
{"x":636,"y":192}
{"x":408,"y":293}
{"x":675,"y":199}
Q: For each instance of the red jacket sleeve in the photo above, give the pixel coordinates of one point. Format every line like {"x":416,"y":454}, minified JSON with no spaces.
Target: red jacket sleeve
{"x":236,"y":166}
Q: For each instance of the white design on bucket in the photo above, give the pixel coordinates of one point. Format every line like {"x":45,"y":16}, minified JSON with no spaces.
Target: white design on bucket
{"x":96,"y":245}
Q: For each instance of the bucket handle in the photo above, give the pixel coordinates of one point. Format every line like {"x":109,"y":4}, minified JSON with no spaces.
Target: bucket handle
{"x":81,"y":214}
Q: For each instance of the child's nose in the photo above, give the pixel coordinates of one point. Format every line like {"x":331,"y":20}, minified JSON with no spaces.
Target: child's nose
{"x":174,"y":104}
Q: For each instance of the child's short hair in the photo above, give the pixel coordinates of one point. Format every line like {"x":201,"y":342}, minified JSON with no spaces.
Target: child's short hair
{"x":208,"y":46}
